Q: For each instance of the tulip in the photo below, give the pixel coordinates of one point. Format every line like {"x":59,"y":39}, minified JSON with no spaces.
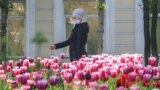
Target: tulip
{"x":10,"y":63}
{"x":120,"y":88}
{"x":95,"y":76}
{"x":146,"y":77}
{"x":92,"y":85}
{"x":134,"y":88}
{"x":103,"y":87}
{"x":38,"y":77}
{"x":53,"y":80}
{"x":23,"y":79}
{"x":15,"y":71}
{"x":1,"y":72}
{"x":42,"y":84}
{"x":113,"y":73}
{"x":80,"y":75}
{"x":68,"y":77}
{"x":62,"y":55}
{"x":132,"y":76}
{"x":25,"y":87}
{"x":81,"y":65}
{"x":30,"y":82}
{"x":152,"y":61}
{"x":1,"y":67}
{"x":26,"y":62}
{"x":65,"y":65}
{"x":141,"y":73}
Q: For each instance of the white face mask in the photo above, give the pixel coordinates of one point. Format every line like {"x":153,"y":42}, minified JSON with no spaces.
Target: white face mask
{"x":74,"y":22}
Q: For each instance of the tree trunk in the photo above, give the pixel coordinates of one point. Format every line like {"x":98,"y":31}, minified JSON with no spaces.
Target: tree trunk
{"x":154,"y":29}
{"x":101,"y":28}
{"x":147,"y":50}
{"x":4,"y":17}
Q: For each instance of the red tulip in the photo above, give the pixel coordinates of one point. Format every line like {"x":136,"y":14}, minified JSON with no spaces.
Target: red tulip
{"x":152,"y":61}
{"x":42,"y":84}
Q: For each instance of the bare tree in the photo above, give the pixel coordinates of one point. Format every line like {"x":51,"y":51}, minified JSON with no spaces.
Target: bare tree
{"x":154,"y":29}
{"x":147,"y":50}
{"x":4,"y":5}
{"x":101,"y":7}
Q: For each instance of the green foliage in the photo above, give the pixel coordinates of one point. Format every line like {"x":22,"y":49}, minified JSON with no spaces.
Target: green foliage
{"x":39,"y":38}
{"x":100,"y":5}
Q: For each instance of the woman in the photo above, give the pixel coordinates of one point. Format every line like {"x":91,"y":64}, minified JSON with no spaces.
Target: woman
{"x":78,"y":37}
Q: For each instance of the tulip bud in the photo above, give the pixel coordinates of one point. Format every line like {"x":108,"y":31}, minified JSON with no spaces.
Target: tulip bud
{"x":152,"y":61}
{"x":103,"y":87}
{"x":42,"y":84}
{"x":53,"y":80}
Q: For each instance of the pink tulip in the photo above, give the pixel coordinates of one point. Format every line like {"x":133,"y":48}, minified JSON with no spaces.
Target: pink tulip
{"x":81,"y":65}
{"x":103,"y":87}
{"x":62,"y":55}
{"x":30,"y":82}
{"x":121,"y":88}
{"x":3,"y":77}
{"x":65,"y":65}
{"x":155,"y":70}
{"x":80,"y":75}
{"x":93,"y":85}
{"x":68,"y":77}
{"x":152,"y":61}
{"x":8,"y":69}
{"x":1,"y":72}
{"x":23,"y":69}
{"x":26,"y":62}
{"x":147,"y":77}
{"x":10,"y":63}
{"x":95,"y":76}
{"x":134,"y":88}
{"x":103,"y":74}
{"x":25,"y":87}
{"x":113,"y":73}
{"x":140,"y":73}
{"x":54,"y":66}
{"x":132,"y":76}
{"x":15,"y":71}
{"x":18,"y":77}
{"x":42,"y":84}
{"x":1,"y":67}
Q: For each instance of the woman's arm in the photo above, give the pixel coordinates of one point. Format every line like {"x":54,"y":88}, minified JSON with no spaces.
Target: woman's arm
{"x":63,"y":44}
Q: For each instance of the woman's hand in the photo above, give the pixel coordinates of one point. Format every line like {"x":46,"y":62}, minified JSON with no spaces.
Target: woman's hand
{"x":51,"y":47}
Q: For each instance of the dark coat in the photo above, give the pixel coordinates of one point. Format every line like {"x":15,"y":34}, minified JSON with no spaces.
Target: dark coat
{"x":76,"y":41}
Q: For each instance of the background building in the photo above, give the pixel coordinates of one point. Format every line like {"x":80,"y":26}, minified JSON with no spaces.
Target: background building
{"x":123,"y":25}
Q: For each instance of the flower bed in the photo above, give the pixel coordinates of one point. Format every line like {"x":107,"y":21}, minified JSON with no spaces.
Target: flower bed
{"x":98,"y":72}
